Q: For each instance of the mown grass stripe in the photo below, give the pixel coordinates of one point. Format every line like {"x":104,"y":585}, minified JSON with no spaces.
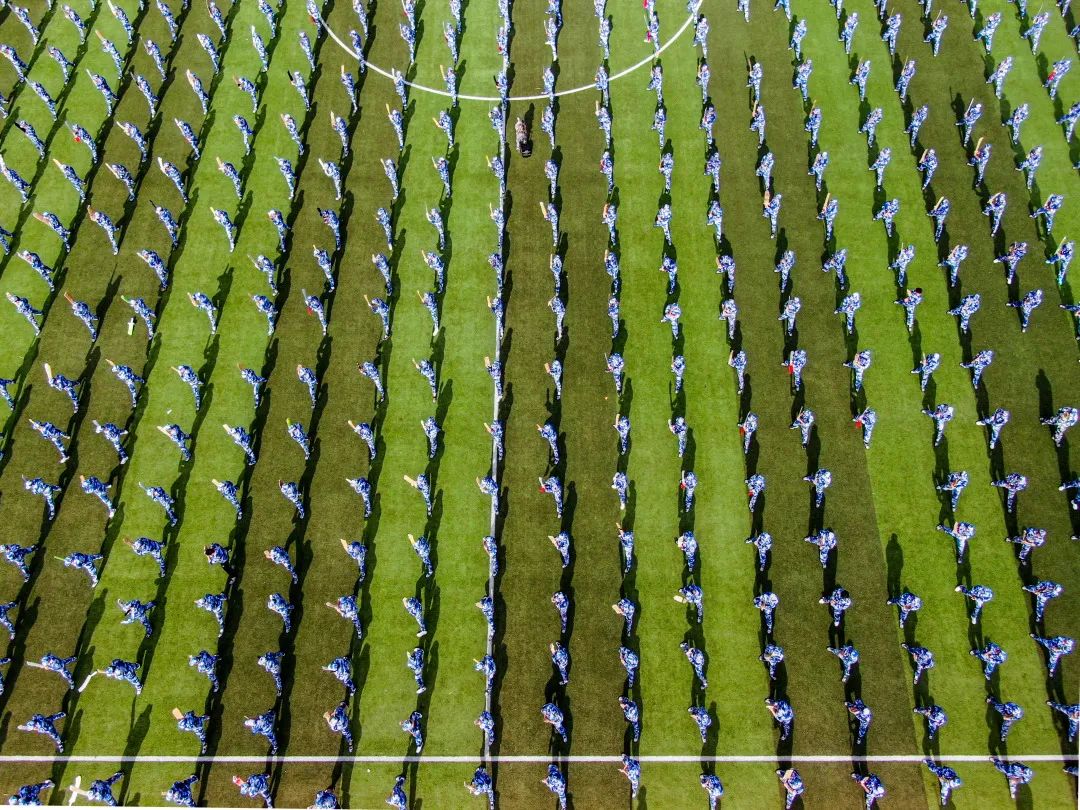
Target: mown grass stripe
{"x":241,"y":339}
{"x":915,"y":561}
{"x":710,"y":403}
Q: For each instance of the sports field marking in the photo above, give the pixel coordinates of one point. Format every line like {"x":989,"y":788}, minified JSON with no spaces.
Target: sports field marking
{"x":539,"y":97}
{"x":537,"y":758}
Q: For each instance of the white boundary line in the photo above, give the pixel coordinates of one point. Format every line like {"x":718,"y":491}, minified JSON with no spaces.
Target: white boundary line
{"x":537,"y":758}
{"x":539,"y":97}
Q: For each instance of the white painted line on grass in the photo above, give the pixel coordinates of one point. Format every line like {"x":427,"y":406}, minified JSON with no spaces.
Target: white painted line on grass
{"x":539,"y":97}
{"x":536,"y":758}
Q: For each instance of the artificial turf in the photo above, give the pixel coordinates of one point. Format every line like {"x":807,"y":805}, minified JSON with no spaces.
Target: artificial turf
{"x":882,"y":506}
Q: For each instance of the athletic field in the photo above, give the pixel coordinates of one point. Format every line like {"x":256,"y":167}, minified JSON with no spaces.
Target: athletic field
{"x":882,"y":505}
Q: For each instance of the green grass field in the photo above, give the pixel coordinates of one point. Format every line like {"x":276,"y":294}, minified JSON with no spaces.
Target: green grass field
{"x":882,"y":505}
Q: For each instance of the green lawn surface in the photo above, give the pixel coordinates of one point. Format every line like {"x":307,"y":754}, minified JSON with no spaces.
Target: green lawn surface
{"x":883,"y":504}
